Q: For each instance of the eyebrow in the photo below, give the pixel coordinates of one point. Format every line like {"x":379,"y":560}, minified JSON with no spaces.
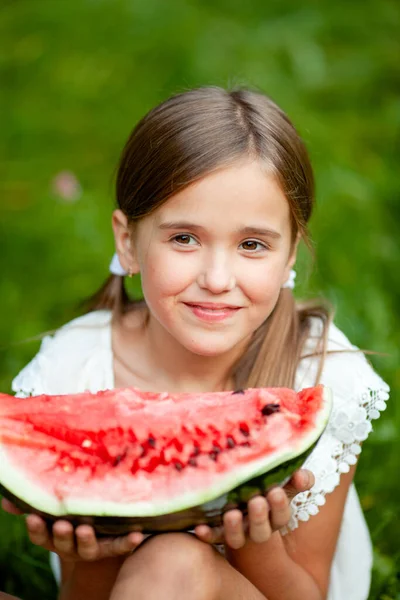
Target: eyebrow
{"x":249,"y":230}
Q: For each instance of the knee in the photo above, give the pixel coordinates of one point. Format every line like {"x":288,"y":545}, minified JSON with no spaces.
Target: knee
{"x":180,"y":557}
{"x":177,"y":551}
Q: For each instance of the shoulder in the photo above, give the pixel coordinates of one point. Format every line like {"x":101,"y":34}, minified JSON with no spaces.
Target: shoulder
{"x":346,"y":370}
{"x":65,"y":358}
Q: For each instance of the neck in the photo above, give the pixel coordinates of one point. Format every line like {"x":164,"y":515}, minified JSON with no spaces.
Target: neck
{"x":179,"y":370}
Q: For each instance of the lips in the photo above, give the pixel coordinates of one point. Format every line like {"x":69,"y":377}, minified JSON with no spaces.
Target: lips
{"x":212,"y":312}
{"x":213,"y":306}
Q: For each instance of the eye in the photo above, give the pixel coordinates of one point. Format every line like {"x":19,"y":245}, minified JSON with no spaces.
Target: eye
{"x":184,"y":239}
{"x":254,"y":246}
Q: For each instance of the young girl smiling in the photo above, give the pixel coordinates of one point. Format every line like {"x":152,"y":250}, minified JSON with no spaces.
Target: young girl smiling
{"x":215,"y":190}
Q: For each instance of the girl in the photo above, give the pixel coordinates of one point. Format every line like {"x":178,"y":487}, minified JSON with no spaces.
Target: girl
{"x":215,"y":190}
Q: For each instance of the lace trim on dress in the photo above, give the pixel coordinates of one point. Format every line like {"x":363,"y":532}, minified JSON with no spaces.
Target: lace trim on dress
{"x":340,"y":445}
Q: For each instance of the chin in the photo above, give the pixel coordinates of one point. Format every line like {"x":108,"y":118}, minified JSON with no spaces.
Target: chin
{"x":209,"y":347}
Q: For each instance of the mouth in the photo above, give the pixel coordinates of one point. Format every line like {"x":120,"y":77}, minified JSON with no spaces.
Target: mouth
{"x":213,"y":306}
{"x":211,"y":311}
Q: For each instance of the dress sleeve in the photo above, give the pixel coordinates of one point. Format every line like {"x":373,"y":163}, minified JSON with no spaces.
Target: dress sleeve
{"x":359,"y":395}
{"x":77,"y":358}
{"x":31,"y":381}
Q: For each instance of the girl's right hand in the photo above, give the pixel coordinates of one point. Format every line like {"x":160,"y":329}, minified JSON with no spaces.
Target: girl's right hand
{"x":80,"y":544}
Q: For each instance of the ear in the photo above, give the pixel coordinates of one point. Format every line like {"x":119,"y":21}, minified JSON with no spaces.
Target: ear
{"x":292,"y":259}
{"x":123,"y":242}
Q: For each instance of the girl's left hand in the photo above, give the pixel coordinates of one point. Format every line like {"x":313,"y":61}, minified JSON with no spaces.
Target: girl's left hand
{"x":266,"y":514}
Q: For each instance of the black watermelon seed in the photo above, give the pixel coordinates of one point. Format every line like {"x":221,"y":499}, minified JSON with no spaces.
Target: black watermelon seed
{"x":216,"y":449}
{"x":196,"y":451}
{"x":230,"y":441}
{"x":151,"y":441}
{"x":238,"y":392}
{"x":244,"y":431}
{"x":270,"y":409}
{"x":213,"y":455}
{"x":192,"y":462}
{"x":178,"y":466}
{"x":118,"y":459}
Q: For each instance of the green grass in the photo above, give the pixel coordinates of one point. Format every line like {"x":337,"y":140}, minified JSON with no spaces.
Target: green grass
{"x":78,"y":75}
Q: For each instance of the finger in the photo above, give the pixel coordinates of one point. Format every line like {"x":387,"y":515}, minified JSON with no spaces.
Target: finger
{"x":259,"y":525}
{"x":120,"y":545}
{"x":63,"y":538}
{"x":280,"y":508}
{"x":86,"y":543}
{"x":209,"y":535}
{"x":233,"y":529}
{"x":301,"y":481}
{"x":10,"y":507}
{"x":37,"y":532}
{"x":204,"y":533}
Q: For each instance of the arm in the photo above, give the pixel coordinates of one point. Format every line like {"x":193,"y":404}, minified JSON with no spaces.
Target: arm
{"x":89,"y":580}
{"x":297,"y":565}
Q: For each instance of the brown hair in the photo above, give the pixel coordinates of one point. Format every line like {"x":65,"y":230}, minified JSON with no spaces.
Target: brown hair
{"x":187,"y":137}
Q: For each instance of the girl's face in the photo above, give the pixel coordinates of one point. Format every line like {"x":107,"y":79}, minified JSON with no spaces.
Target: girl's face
{"x":213,"y":258}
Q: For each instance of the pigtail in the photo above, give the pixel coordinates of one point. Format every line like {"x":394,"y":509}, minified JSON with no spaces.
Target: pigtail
{"x":112,"y":295}
{"x":274,"y":352}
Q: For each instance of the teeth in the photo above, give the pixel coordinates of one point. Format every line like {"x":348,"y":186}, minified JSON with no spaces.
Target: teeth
{"x":213,"y":309}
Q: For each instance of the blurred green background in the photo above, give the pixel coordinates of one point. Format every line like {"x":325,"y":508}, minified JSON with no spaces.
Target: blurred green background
{"x":78,"y":74}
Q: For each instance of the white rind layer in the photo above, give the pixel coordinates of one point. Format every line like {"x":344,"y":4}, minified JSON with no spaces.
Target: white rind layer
{"x":19,"y":485}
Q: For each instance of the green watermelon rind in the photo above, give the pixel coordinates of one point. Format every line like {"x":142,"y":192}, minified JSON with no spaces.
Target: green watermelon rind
{"x":232,"y":489}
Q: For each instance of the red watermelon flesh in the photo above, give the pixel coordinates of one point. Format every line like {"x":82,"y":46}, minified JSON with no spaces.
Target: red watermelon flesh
{"x":126,"y":453}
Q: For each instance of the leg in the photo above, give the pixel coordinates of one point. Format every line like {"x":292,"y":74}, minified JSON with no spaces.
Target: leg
{"x":178,"y":566}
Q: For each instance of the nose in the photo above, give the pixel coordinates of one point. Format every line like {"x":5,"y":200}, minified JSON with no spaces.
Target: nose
{"x":216,"y":274}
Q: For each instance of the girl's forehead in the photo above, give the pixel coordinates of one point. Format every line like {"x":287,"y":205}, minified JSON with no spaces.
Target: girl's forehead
{"x":235,"y":194}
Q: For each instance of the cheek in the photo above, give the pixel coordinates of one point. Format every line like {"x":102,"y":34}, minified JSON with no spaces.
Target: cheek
{"x":162,"y":275}
{"x":262,"y":285}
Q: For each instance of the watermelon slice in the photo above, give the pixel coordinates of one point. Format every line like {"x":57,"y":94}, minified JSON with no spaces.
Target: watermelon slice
{"x":125,"y":460}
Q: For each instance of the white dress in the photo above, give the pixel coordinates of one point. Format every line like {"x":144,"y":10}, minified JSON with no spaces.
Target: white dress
{"x":79,"y":357}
